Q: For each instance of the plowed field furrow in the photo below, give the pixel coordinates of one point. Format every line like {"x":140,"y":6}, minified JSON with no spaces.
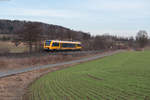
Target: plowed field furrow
{"x":123,"y":76}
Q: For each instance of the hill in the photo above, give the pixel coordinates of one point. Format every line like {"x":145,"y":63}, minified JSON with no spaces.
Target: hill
{"x":50,"y":30}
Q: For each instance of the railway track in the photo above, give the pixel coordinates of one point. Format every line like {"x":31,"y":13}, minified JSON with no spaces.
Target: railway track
{"x":14,"y":72}
{"x":43,"y":53}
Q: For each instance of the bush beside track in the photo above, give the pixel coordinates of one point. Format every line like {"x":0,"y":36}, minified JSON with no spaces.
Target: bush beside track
{"x":124,"y":76}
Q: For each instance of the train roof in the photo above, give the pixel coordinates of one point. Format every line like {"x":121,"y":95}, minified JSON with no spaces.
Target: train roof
{"x":64,"y":41}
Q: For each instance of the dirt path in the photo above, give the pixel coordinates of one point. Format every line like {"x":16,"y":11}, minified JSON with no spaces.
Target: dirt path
{"x":13,"y":87}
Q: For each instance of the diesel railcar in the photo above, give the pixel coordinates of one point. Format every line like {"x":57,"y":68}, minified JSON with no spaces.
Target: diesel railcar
{"x":56,"y":45}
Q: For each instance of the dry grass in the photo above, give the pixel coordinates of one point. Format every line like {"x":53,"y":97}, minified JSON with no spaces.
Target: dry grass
{"x":7,"y":63}
{"x":15,"y":63}
{"x":3,"y":63}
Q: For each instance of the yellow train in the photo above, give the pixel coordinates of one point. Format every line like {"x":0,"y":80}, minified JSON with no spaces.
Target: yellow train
{"x":56,"y":45}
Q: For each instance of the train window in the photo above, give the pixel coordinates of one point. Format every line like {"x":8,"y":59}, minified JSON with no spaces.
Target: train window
{"x":70,"y":45}
{"x":55,"y":44}
{"x":73,"y":45}
{"x":64,"y":45}
{"x":79,"y":45}
{"x":47,"y":43}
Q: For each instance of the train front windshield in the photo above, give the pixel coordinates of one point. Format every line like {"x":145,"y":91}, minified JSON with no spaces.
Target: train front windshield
{"x":47,"y":43}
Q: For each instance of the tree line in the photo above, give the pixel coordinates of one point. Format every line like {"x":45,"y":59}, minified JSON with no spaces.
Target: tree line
{"x":33,"y":34}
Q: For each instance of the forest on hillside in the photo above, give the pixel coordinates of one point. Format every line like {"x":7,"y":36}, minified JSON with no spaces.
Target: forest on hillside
{"x":33,"y":34}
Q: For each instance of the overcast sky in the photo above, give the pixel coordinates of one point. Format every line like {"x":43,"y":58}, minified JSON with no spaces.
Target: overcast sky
{"x":117,"y":17}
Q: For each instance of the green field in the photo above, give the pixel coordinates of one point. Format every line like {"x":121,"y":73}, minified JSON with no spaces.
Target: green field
{"x":124,"y":76}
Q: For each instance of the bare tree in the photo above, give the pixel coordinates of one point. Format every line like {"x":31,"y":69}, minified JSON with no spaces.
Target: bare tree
{"x":30,"y":34}
{"x":131,"y":42}
{"x":142,"y":38}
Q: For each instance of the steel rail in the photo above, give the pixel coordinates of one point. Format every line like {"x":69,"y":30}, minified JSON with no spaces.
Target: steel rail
{"x":19,"y":55}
